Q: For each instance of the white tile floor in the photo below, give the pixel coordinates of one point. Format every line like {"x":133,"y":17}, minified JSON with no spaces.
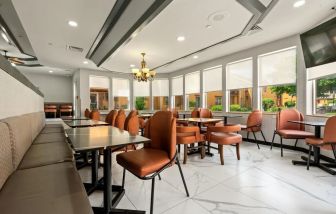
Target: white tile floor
{"x":261,"y":182}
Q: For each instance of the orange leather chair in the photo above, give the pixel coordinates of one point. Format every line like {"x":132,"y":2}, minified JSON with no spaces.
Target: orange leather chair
{"x":66,"y":108}
{"x":50,"y":109}
{"x":132,"y":123}
{"x":195,"y":113}
{"x":120,"y":119}
{"x":87,"y":113}
{"x":186,"y":135}
{"x":108,"y":117}
{"x":328,"y":142}
{"x":254,"y":123}
{"x":148,"y":162}
{"x":287,"y":130}
{"x":94,"y":115}
{"x":205,"y":113}
{"x":224,"y":135}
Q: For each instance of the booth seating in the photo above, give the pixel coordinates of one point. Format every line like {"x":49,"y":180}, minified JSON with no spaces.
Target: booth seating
{"x":37,"y":168}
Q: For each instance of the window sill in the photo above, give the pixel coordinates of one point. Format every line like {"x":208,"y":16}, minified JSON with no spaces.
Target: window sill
{"x":319,"y":115}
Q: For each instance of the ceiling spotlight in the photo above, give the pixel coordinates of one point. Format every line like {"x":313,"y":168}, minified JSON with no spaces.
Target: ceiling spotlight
{"x":208,"y":26}
{"x":195,"y":57}
{"x":132,"y":66}
{"x":86,"y":62}
{"x":50,"y":71}
{"x":299,"y":3}
{"x":4,"y":36}
{"x":13,"y":64}
{"x":180,"y":38}
{"x":72,"y":23}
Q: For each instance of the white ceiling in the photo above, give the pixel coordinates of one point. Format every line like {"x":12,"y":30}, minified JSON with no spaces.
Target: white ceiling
{"x":189,"y":17}
{"x":45,"y":22}
{"x":46,"y":25}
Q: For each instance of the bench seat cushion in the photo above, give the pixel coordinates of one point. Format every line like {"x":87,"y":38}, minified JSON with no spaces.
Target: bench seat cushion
{"x":51,"y":189}
{"x":53,"y":125}
{"x":45,"y":154}
{"x":49,"y":138}
{"x":47,"y":130}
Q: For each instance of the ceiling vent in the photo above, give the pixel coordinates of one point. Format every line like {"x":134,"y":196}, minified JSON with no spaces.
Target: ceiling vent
{"x":253,"y":30}
{"x":74,"y":48}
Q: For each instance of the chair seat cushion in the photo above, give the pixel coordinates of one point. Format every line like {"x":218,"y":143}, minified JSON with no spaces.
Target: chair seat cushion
{"x":47,"y":130}
{"x":45,"y":154}
{"x":225,"y":138}
{"x":51,"y":189}
{"x":318,"y":142}
{"x":188,"y":139}
{"x":294,"y":134}
{"x":50,"y":137}
{"x":143,"y":162}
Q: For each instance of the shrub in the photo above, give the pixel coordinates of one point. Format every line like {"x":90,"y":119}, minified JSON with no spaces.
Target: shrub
{"x":216,"y":108}
{"x":192,"y":104}
{"x":267,"y":103}
{"x":140,"y":103}
{"x":235,"y":107}
{"x":290,"y":104}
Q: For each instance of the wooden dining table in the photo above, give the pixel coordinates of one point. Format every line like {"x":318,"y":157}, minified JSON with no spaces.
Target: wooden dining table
{"x":107,"y":138}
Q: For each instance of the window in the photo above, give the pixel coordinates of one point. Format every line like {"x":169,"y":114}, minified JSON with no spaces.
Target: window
{"x":192,"y":90}
{"x":177,"y":92}
{"x":325,"y":95}
{"x":277,"y":73}
{"x":160,"y":93}
{"x":239,"y":85}
{"x":141,"y":95}
{"x":99,"y":89}
{"x":212,"y":87}
{"x":121,"y":93}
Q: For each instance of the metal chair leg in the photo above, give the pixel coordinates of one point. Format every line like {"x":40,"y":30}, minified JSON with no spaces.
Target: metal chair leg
{"x":262,"y":134}
{"x":309,"y":154}
{"x":334,"y":150}
{"x":281,"y":146}
{"x":185,"y":156}
{"x":159,"y":177}
{"x":273,"y":139}
{"x":152,"y":196}
{"x":123,"y":179}
{"x":184,"y":183}
{"x":296,"y":142}
{"x":255,"y":140}
{"x":247,"y":136}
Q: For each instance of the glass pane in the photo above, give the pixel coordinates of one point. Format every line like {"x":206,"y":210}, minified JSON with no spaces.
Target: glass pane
{"x":142,"y":103}
{"x":214,"y":100}
{"x":121,"y":102}
{"x":241,"y":100}
{"x":178,"y":102}
{"x":193,"y":101}
{"x":275,"y":98}
{"x":99,"y":99}
{"x":160,"y":103}
{"x":326,"y":96}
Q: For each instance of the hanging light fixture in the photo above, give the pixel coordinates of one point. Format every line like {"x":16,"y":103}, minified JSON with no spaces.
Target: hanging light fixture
{"x":143,"y":74}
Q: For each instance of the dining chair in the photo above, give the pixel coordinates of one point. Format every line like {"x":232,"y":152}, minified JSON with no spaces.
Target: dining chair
{"x":111,"y":117}
{"x":225,"y":135}
{"x":132,"y":123}
{"x":195,"y":113}
{"x":50,"y":109}
{"x":288,"y":130}
{"x":187,"y":135}
{"x":87,"y":113}
{"x":253,"y":124}
{"x":120,"y":119}
{"x":108,"y":117}
{"x":160,"y":154}
{"x":328,"y":142}
{"x":66,"y":108}
{"x":95,"y":115}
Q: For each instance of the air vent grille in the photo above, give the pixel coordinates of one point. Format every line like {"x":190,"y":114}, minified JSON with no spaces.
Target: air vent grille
{"x":74,"y":48}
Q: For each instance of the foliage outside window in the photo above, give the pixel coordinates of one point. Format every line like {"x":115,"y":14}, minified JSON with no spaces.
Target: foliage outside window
{"x":214,"y":100}
{"x":325,"y":100}
{"x":178,"y":102}
{"x":142,"y":103}
{"x":194,"y":101}
{"x":160,"y":102}
{"x":241,"y":100}
{"x":275,"y":98}
{"x":121,"y":102}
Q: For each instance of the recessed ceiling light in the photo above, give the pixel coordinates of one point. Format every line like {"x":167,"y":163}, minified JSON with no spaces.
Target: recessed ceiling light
{"x":180,"y":38}
{"x":50,"y":71}
{"x":132,"y":66}
{"x":86,"y":62}
{"x":195,"y":57}
{"x":13,"y":64}
{"x":208,"y":26}
{"x":299,"y":3}
{"x":73,"y":23}
{"x":4,"y":36}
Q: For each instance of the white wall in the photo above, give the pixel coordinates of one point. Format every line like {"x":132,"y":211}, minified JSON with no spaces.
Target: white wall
{"x":16,"y":98}
{"x":55,"y":88}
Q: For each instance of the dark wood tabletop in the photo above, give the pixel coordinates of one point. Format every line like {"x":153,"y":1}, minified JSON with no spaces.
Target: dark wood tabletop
{"x":101,"y":137}
{"x":200,"y":120}
{"x":84,"y":123}
{"x":308,"y":123}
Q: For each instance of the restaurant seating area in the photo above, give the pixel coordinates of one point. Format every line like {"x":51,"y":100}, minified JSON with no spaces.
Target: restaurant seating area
{"x":168,"y":107}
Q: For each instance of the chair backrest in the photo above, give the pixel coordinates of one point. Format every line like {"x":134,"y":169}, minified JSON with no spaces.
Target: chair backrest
{"x":174,"y":111}
{"x":195,"y":113}
{"x":94,"y":115}
{"x":66,"y":106}
{"x":132,"y":123}
{"x":108,"y":117}
{"x":87,"y":113}
{"x":161,"y":129}
{"x":6,"y":154}
{"x":330,"y":131}
{"x":205,"y":113}
{"x":284,"y":116}
{"x":50,"y":107}
{"x":254,"y":120}
{"x":120,"y":119}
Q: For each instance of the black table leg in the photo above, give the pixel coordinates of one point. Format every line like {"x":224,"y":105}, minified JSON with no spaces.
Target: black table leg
{"x":107,"y":180}
{"x":225,"y":120}
{"x":90,"y":187}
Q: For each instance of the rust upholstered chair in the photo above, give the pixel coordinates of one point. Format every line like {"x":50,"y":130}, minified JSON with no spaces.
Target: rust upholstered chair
{"x":66,"y":109}
{"x":50,"y":109}
{"x":95,"y":115}
{"x":205,"y":113}
{"x":254,"y":122}
{"x":108,"y":117}
{"x":87,"y":113}
{"x":328,"y":142}
{"x":287,"y":130}
{"x":186,"y":135}
{"x":148,"y":162}
{"x":195,"y":113}
{"x":224,"y":135}
{"x":132,"y":123}
{"x":120,"y":119}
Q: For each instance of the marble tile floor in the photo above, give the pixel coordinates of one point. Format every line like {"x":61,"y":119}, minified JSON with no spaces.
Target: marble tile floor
{"x":261,"y":182}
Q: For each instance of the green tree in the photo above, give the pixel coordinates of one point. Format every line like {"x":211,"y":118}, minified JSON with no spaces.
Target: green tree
{"x":326,"y":87}
{"x":140,"y":103}
{"x":283,"y":89}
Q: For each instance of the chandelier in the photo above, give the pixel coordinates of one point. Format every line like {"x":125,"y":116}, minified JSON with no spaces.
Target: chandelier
{"x":143,"y":74}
